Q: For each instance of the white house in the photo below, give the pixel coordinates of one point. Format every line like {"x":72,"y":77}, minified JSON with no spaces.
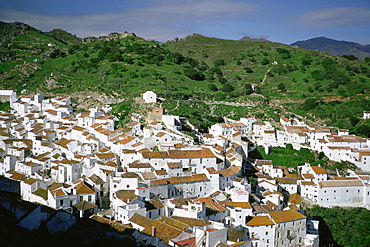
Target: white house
{"x":282,"y":228}
{"x":150,"y":97}
{"x":343,"y":193}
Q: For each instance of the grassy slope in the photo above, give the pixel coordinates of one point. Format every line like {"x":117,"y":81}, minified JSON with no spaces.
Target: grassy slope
{"x":338,"y":100}
{"x":90,"y":67}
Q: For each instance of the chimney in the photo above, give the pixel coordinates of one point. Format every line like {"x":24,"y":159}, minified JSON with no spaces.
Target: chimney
{"x":154,"y":229}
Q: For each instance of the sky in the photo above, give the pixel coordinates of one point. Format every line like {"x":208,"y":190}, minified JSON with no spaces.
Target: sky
{"x":280,"y":21}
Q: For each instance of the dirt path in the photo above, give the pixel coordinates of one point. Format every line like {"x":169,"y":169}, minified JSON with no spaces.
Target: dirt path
{"x":265,"y":76}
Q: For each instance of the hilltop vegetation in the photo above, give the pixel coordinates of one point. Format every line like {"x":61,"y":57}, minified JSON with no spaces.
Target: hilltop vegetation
{"x":270,"y":79}
{"x":316,"y":85}
{"x":348,"y":226}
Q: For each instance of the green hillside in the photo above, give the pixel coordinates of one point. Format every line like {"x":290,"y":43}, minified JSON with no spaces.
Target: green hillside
{"x":195,"y":75}
{"x":330,"y":89}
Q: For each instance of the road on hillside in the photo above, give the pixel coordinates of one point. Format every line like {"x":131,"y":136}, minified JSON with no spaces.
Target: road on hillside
{"x":211,"y":102}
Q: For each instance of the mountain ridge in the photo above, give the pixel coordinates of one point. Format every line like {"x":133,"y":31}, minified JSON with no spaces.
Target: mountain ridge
{"x":335,"y":47}
{"x":245,"y":38}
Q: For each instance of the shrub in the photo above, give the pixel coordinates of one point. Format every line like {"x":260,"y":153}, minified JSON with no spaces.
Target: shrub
{"x":281,"y":87}
{"x":248,"y":88}
{"x":219,"y":62}
{"x":248,"y":70}
{"x":227,"y":88}
{"x":264,"y":61}
{"x":212,"y":87}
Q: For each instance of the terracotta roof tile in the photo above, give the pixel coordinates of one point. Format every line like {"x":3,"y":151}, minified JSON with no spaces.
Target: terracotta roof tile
{"x":84,"y":205}
{"x":234,"y":235}
{"x":318,"y":169}
{"x":339,"y":183}
{"x":148,"y":175}
{"x":96,"y":179}
{"x":173,"y":222}
{"x":174,"y":164}
{"x":260,"y":221}
{"x":138,"y":164}
{"x":245,"y":205}
{"x":117,"y":226}
{"x":125,"y":196}
{"x":83,"y":188}
{"x":178,"y":201}
{"x":286,"y":215}
{"x":295,"y":198}
{"x":192,"y":221}
{"x":163,"y":231}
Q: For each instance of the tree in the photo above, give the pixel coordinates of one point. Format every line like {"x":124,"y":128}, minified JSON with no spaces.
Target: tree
{"x":175,"y":57}
{"x":222,"y":80}
{"x":354,"y":120}
{"x":216,"y":71}
{"x":248,"y":70}
{"x":367,"y":60}
{"x":310,"y":104}
{"x":193,"y":74}
{"x":248,"y":88}
{"x":258,"y":90}
{"x":264,"y":61}
{"x":212,"y":87}
{"x":219,"y":62}
{"x":306,"y":61}
{"x":227,"y":88}
{"x":281,"y":87}
{"x":350,"y":57}
{"x":363,"y":130}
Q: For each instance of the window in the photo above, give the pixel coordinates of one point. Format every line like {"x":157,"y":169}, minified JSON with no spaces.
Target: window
{"x":267,"y":233}
{"x":128,"y":186}
{"x":61,"y":202}
{"x":89,"y":199}
{"x":81,"y":198}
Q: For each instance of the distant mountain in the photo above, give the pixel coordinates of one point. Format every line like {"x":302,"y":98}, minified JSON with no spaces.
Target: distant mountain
{"x":335,"y":47}
{"x":245,"y":38}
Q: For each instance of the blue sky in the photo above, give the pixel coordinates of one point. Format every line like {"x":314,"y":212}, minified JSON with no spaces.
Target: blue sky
{"x":276,"y":20}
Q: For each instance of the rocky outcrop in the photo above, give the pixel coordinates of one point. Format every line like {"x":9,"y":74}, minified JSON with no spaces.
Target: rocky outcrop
{"x":111,"y":36}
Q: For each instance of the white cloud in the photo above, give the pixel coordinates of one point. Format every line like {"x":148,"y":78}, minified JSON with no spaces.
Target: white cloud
{"x":335,"y":17}
{"x":163,"y":21}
